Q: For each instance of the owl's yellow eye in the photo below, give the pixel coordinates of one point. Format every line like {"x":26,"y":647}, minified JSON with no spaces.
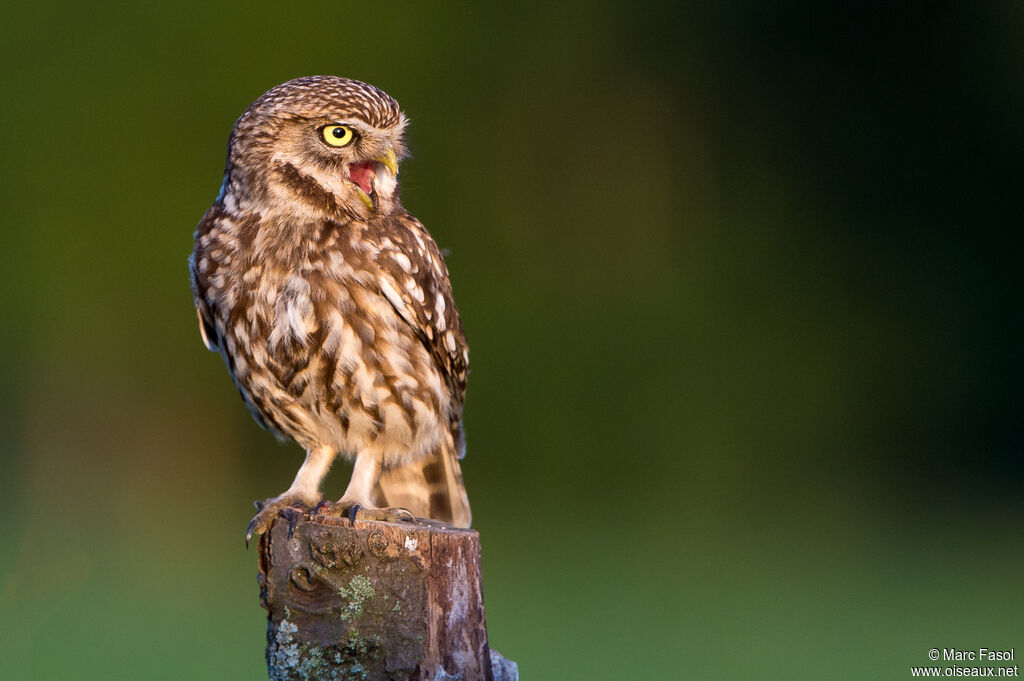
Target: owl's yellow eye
{"x":338,"y":135}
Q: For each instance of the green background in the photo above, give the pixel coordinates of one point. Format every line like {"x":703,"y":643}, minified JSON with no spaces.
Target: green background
{"x":741,"y":283}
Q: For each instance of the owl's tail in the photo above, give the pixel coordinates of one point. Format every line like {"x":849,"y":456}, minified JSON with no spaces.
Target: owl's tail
{"x":431,"y":488}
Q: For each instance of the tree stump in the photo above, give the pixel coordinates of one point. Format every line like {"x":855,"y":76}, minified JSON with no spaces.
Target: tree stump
{"x":375,"y":601}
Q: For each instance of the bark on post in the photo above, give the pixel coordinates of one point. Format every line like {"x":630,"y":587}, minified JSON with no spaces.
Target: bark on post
{"x":375,"y":600}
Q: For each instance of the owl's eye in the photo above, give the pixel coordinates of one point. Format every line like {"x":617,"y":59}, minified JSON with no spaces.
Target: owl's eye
{"x":338,"y":135}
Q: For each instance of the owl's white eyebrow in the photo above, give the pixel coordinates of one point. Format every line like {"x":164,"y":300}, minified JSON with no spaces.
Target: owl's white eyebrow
{"x":356,"y":125}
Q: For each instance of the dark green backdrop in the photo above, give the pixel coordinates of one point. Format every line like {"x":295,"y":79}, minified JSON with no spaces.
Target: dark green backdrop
{"x":742,"y":287}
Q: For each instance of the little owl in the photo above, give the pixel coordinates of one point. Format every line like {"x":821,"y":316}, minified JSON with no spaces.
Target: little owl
{"x":331,"y":304}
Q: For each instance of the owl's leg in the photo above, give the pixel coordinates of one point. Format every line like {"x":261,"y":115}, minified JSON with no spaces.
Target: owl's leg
{"x":297,"y":499}
{"x":359,"y":495}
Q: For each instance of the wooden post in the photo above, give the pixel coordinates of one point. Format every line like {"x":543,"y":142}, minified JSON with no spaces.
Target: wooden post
{"x":375,"y":601}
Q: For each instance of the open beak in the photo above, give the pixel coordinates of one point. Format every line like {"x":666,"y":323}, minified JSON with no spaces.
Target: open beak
{"x":366,"y":175}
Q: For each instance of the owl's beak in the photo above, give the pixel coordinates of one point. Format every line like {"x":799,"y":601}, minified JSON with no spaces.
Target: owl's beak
{"x":389,"y":160}
{"x":368,"y":176}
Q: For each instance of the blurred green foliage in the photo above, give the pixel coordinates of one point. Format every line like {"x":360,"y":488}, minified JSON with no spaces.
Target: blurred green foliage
{"x":741,"y":283}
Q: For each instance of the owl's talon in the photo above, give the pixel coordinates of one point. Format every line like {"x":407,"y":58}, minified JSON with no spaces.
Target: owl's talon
{"x":287,"y":507}
{"x":249,"y":531}
{"x":339,"y":509}
{"x":356,"y":511}
{"x":293,"y":515}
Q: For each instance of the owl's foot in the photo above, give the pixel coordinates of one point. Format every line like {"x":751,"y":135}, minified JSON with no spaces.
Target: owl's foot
{"x":286,"y":506}
{"x":353,"y":509}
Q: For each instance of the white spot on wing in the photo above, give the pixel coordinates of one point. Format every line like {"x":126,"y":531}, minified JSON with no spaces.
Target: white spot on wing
{"x":414,"y":290}
{"x":403,"y":261}
{"x":439,"y":306}
{"x":391,"y":293}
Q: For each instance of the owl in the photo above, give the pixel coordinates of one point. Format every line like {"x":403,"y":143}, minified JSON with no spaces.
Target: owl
{"x":332,"y":307}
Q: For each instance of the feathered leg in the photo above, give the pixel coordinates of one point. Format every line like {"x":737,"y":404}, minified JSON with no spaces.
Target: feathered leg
{"x":360,"y":499}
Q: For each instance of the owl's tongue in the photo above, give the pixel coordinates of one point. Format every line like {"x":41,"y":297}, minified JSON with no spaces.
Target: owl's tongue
{"x":362,"y":174}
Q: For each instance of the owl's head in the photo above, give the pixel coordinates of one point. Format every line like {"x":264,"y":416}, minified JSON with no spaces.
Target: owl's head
{"x":322,"y":144}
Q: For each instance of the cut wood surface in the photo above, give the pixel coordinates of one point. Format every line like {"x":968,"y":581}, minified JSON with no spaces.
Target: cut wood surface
{"x":375,"y":601}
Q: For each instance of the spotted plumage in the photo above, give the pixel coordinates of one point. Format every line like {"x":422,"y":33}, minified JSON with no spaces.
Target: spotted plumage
{"x":331,"y":305}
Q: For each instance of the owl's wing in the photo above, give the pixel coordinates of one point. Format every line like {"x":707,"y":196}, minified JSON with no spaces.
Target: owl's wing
{"x":207,"y":329}
{"x":414,"y":279}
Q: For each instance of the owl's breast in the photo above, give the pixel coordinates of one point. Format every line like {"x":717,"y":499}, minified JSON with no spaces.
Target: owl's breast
{"x":321,"y":355}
